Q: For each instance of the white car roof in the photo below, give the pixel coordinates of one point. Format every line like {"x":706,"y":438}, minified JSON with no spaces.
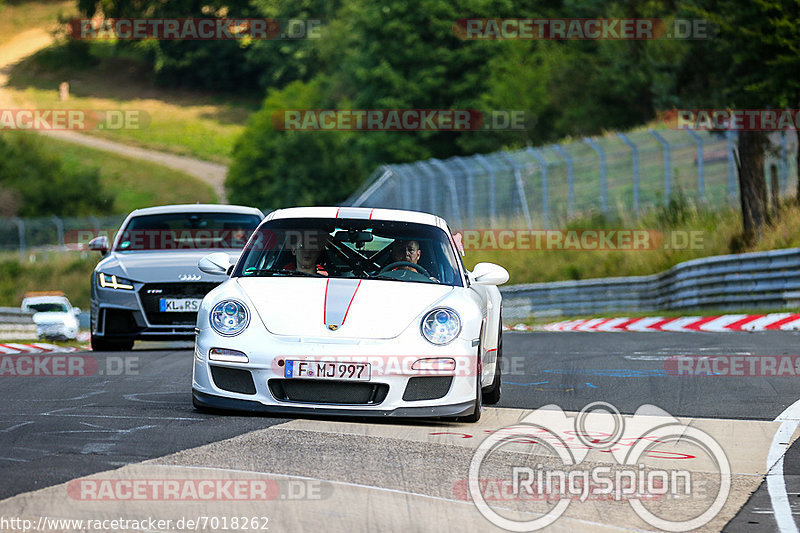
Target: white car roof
{"x":196,"y":208}
{"x":45,"y":299}
{"x":359,"y":212}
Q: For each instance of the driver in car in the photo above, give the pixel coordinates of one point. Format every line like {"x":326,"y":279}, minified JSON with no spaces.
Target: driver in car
{"x":409,"y":252}
{"x":406,"y":251}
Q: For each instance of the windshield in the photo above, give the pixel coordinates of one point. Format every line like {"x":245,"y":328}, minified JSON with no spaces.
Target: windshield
{"x":48,"y":308}
{"x":176,"y":231}
{"x":345,"y":248}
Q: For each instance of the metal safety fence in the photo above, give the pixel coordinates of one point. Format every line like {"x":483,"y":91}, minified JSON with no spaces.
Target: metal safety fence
{"x":758,"y":280}
{"x":23,"y":235}
{"x":540,"y":187}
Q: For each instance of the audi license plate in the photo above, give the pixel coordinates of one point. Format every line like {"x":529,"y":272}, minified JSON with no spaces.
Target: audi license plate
{"x":327,"y":370}
{"x":179,"y":305}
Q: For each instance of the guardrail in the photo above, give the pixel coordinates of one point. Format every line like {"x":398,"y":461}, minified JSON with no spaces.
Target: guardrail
{"x":15,"y":315}
{"x":16,"y":324}
{"x":768,"y":280}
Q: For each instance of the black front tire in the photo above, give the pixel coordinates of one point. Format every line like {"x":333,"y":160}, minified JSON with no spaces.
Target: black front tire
{"x":491,"y":394}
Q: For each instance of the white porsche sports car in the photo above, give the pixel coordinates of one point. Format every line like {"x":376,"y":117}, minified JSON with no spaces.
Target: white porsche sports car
{"x":350,"y":311}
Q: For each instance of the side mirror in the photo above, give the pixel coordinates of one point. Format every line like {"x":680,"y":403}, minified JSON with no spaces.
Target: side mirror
{"x":217,"y":263}
{"x":99,"y":244}
{"x":488,"y":274}
{"x":76,"y":311}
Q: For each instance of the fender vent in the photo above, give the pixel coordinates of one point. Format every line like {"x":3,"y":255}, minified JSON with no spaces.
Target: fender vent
{"x":427,"y":388}
{"x":233,"y":379}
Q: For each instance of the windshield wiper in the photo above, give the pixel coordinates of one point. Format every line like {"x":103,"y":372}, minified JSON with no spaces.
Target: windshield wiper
{"x":280,"y":272}
{"x":383,"y":276}
{"x":392,"y":278}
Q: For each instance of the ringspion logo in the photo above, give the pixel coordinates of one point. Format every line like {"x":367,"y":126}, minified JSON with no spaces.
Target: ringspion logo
{"x":547,"y":487}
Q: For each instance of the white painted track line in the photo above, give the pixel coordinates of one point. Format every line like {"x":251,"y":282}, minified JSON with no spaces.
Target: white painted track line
{"x":776,"y":484}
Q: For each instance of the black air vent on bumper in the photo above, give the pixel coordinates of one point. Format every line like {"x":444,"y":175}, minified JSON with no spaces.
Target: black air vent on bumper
{"x":233,"y":379}
{"x":427,"y":388}
{"x":323,"y":391}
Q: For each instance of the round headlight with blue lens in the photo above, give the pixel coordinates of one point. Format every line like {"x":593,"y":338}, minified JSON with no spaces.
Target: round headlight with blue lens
{"x":229,"y":317}
{"x":441,"y":326}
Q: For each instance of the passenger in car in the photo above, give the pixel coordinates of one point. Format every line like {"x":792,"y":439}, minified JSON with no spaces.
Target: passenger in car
{"x":308,"y":254}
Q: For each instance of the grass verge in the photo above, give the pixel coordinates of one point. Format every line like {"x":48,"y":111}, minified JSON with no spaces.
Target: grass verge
{"x":18,"y":16}
{"x":68,"y":272}
{"x":680,"y":232}
{"x":200,"y":124}
{"x":132,"y":182}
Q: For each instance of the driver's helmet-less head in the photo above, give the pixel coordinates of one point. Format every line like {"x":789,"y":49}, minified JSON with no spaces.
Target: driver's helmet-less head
{"x":406,"y":251}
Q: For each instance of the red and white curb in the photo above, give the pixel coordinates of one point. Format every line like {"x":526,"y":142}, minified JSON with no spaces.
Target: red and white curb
{"x":720,"y":323}
{"x":37,"y":347}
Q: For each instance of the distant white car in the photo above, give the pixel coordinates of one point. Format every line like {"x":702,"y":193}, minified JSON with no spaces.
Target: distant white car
{"x":54,"y":316}
{"x":350,"y":311}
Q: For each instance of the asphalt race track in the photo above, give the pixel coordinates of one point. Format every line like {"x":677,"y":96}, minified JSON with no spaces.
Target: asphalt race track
{"x":106,"y":445}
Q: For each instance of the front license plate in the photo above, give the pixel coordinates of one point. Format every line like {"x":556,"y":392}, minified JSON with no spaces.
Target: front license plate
{"x":179,"y":305}
{"x":327,"y":370}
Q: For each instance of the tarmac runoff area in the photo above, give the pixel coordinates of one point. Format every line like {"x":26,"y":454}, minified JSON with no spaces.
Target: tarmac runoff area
{"x":390,"y":477}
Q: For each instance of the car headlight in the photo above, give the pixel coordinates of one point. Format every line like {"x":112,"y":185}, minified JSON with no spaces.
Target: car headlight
{"x":114,"y":282}
{"x":441,"y":326}
{"x":229,"y":317}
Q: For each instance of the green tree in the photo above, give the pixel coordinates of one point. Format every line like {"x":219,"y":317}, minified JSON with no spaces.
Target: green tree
{"x":751,"y":64}
{"x":210,"y":64}
{"x":279,"y":62}
{"x":391,"y":55}
{"x":39,"y":185}
{"x":274,"y":168}
{"x":584,"y":87}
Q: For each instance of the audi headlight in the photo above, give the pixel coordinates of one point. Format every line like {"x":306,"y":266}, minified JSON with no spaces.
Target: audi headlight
{"x":114,"y":282}
{"x":441,"y":326}
{"x":229,"y":317}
